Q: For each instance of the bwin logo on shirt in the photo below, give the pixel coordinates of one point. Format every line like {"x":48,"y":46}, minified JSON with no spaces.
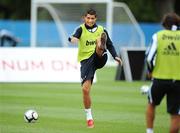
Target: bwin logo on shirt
{"x":90,"y":43}
{"x":171,"y":50}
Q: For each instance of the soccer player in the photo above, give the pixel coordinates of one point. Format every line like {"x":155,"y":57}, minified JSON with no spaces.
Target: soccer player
{"x":163,"y":59}
{"x":7,"y":36}
{"x":93,"y":42}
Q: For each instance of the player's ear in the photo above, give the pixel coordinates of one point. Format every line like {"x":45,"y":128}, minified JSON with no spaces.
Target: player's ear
{"x":83,"y":18}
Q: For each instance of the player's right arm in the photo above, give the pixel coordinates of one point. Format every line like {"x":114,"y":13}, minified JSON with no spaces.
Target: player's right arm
{"x":151,"y":55}
{"x":75,"y":37}
{"x":73,"y":40}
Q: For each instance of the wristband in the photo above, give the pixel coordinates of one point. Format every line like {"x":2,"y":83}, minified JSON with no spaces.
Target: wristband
{"x":69,"y":39}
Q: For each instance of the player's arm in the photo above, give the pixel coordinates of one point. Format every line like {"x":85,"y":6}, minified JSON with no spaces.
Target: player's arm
{"x":73,"y":40}
{"x":151,"y":53}
{"x":75,"y":37}
{"x":111,"y":49}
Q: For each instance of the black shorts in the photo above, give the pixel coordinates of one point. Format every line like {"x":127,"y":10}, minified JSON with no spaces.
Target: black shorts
{"x":171,"y":89}
{"x":90,"y":65}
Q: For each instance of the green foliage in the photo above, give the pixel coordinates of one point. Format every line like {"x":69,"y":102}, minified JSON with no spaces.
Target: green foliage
{"x":18,"y":9}
{"x":143,"y":10}
{"x":151,"y":10}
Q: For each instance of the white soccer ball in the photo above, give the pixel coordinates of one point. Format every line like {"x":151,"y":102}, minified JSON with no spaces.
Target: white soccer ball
{"x":144,"y":89}
{"x":30,"y":116}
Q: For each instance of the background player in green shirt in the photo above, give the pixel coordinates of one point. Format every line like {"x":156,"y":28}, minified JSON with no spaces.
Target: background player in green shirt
{"x":93,"y":42}
{"x":163,"y":60}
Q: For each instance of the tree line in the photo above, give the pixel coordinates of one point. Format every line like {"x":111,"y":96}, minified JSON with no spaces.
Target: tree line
{"x":143,"y":10}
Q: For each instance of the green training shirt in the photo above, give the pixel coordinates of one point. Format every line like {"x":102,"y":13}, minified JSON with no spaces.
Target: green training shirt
{"x":87,"y":42}
{"x":168,"y":55}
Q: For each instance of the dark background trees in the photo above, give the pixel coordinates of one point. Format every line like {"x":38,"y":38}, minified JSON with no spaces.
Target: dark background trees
{"x":143,"y":10}
{"x":15,"y":9}
{"x":152,"y":10}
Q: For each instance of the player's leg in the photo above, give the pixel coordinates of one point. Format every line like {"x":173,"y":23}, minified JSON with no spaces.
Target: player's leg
{"x":86,"y":87}
{"x":155,"y":96}
{"x":101,"y":44}
{"x":175,"y":124}
{"x":150,"y":116}
{"x":87,"y":75}
{"x":173,"y":106}
{"x":101,"y":61}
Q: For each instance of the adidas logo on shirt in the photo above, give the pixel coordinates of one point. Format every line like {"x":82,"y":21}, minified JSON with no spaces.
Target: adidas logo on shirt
{"x":171,"y":50}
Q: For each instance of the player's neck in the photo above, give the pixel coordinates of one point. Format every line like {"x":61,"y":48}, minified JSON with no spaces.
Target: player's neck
{"x":88,"y":27}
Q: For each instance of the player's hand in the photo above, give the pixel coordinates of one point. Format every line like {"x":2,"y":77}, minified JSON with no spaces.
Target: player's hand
{"x":149,"y":75}
{"x":73,"y":40}
{"x":119,"y":60}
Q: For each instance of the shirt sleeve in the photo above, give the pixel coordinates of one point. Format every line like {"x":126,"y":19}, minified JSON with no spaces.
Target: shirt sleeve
{"x":110,"y":46}
{"x":77,"y":33}
{"x":151,"y":53}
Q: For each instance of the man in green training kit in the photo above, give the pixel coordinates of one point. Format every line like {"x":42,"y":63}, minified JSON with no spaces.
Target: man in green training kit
{"x":93,"y":42}
{"x":163,"y":59}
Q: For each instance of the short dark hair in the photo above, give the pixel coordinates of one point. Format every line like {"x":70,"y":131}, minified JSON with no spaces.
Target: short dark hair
{"x":170,"y":19}
{"x":91,"y":12}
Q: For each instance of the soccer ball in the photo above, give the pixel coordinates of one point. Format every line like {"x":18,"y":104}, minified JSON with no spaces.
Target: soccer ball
{"x":30,"y":116}
{"x":144,"y":89}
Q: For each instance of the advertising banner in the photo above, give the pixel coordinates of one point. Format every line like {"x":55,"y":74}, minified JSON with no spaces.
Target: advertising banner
{"x":39,"y":65}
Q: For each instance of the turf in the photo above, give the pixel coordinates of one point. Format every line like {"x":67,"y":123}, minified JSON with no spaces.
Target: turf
{"x":118,"y":107}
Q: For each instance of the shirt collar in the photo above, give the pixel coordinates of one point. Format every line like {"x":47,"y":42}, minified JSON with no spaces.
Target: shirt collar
{"x":88,"y":27}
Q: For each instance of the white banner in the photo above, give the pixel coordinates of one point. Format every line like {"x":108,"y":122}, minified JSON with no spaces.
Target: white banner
{"x":39,"y":65}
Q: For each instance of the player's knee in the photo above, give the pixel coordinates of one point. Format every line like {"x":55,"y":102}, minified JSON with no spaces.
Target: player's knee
{"x":85,"y":90}
{"x":99,"y":52}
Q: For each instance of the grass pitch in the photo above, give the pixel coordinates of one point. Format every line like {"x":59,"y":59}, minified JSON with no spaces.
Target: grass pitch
{"x":118,"y":107}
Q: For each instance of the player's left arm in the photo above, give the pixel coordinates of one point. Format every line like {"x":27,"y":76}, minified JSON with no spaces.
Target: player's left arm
{"x":111,"y":49}
{"x":118,"y":60}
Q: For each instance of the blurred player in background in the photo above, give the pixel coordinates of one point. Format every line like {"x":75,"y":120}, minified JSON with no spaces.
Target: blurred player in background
{"x":163,"y":59}
{"x":93,"y":42}
{"x":8,"y":37}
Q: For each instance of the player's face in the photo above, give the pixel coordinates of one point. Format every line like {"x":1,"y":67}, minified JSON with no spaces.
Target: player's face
{"x":90,"y":20}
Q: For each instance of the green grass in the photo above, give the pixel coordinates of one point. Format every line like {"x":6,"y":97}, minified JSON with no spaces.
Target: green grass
{"x":118,"y":107}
